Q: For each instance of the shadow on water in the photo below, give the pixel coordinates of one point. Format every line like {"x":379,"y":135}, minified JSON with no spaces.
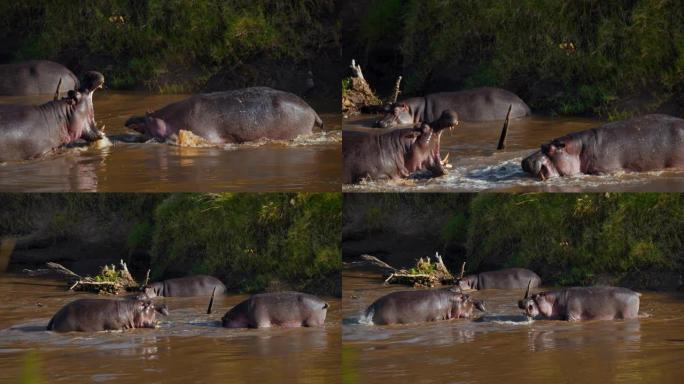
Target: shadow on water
{"x":309,"y":163}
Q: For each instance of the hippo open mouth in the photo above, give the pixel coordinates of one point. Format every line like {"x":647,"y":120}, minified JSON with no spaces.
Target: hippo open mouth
{"x":540,"y":165}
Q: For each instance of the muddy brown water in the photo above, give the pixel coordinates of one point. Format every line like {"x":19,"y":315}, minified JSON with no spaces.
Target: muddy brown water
{"x":189,"y":346}
{"x":506,"y":348}
{"x":310,"y":163}
{"x":478,"y":166}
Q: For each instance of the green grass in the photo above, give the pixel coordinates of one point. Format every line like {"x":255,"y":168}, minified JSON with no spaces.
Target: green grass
{"x":565,"y":56}
{"x":147,"y":44}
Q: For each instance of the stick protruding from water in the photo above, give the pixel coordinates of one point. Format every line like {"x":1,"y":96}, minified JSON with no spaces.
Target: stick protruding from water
{"x":504,"y":130}
{"x":462,"y":270}
{"x":211,"y":301}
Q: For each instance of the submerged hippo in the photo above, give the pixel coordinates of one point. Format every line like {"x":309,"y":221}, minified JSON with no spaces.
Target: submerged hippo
{"x":285,"y":309}
{"x":582,"y":303}
{"x":91,"y":315}
{"x":232,"y":117}
{"x":198,"y":285}
{"x":509,"y":278}
{"x":395,"y":154}
{"x":34,"y":77}
{"x":417,"y":306}
{"x":479,"y":104}
{"x":31,"y":131}
{"x":648,"y":143}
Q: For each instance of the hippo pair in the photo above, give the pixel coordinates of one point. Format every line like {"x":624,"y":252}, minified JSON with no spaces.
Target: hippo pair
{"x":582,"y":303}
{"x":395,"y":154}
{"x":287,"y":309}
{"x":31,"y":131}
{"x":647,"y":143}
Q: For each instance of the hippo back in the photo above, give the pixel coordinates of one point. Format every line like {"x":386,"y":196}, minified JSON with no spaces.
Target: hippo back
{"x":478,"y":104}
{"x":34,"y":78}
{"x":199,"y":285}
{"x":510,"y":278}
{"x":243,"y":115}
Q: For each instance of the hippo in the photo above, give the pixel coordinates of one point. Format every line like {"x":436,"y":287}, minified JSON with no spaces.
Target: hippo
{"x":479,"y":104}
{"x":198,"y":285}
{"x":647,"y":143}
{"x":28,"y":132}
{"x":582,"y":303}
{"x":405,"y":307}
{"x":235,"y":116}
{"x":395,"y":154}
{"x":510,"y":278}
{"x":91,"y":315}
{"x":34,"y":77}
{"x":285,"y":309}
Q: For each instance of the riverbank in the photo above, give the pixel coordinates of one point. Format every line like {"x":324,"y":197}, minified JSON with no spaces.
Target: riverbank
{"x":607,"y":59}
{"x":627,"y":239}
{"x":253,"y":242}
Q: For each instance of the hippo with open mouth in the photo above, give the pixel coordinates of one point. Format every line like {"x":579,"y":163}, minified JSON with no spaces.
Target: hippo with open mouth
{"x":395,"y":154}
{"x":235,"y":116}
{"x":28,"y":131}
{"x":582,"y":303}
{"x":479,"y":104}
{"x":406,"y":307}
{"x":647,"y":143}
{"x":92,"y":315}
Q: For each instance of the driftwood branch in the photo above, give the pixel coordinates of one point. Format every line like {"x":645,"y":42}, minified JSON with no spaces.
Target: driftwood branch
{"x":504,"y":130}
{"x":426,"y":273}
{"x":111,"y":280}
{"x":374,"y":261}
{"x":356,"y":70}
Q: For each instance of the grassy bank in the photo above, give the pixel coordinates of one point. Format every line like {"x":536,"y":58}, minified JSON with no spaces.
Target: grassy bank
{"x":167,"y":46}
{"x":254,"y":242}
{"x":589,"y":57}
{"x":633,"y":239}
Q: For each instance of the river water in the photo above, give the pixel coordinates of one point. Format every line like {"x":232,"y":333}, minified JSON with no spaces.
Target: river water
{"x":478,"y":166}
{"x":506,"y":348}
{"x":189,"y":346}
{"x":310,"y":163}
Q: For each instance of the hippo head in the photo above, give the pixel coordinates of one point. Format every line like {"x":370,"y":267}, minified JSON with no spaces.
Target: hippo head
{"x":145,"y":313}
{"x":150,"y":126}
{"x":425,"y":153}
{"x":529,"y":304}
{"x":395,"y":114}
{"x":81,"y":117}
{"x":561,"y":157}
{"x":462,"y":305}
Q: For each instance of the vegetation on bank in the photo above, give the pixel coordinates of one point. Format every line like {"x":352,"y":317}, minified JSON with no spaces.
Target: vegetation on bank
{"x":253,"y":242}
{"x":580,"y":239}
{"x":633,"y":239}
{"x":566,"y":57}
{"x":163,"y":45}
